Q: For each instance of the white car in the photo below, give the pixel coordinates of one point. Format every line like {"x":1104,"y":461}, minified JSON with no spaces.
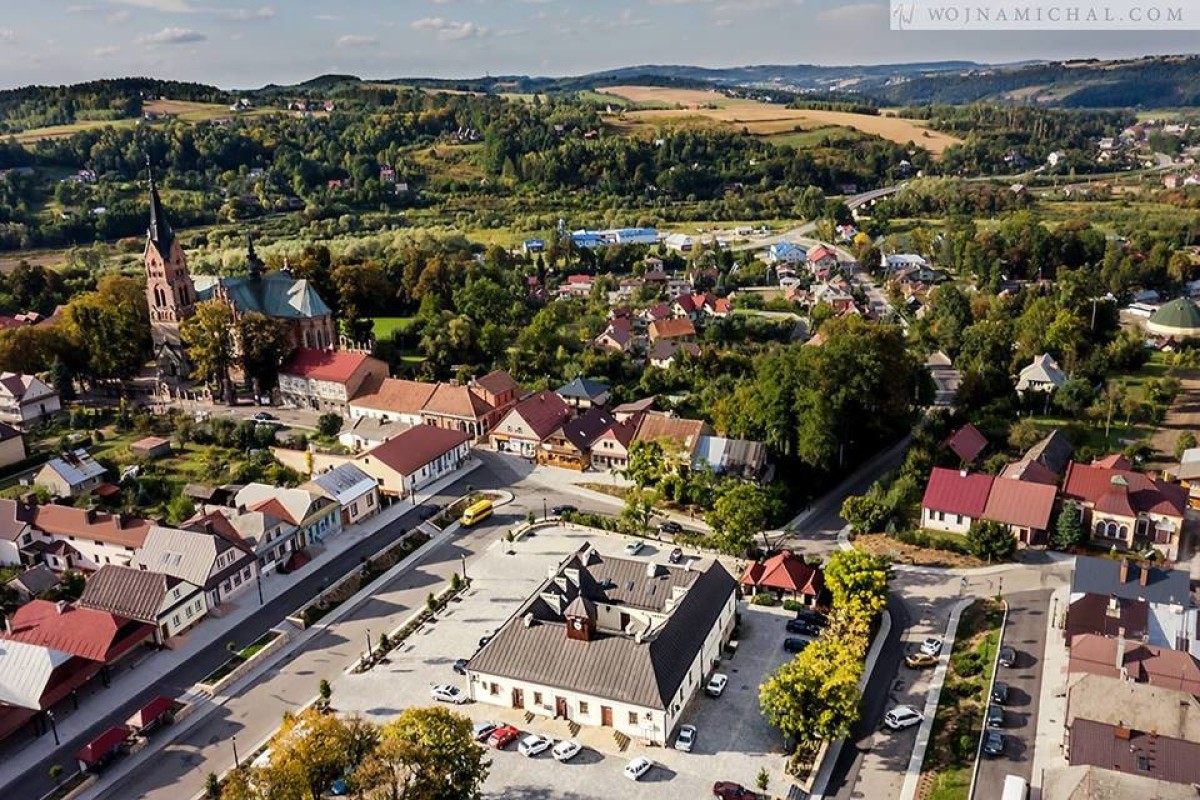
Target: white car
{"x":635,"y":769}
{"x":931,"y":646}
{"x":686,"y":738}
{"x":531,"y":745}
{"x":633,"y":548}
{"x":448,"y":694}
{"x":566,"y":750}
{"x":716,"y":685}
{"x":902,"y":717}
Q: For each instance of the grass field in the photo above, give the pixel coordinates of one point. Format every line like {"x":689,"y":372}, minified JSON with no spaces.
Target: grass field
{"x":180,"y":109}
{"x":386,"y":326}
{"x":764,"y":118}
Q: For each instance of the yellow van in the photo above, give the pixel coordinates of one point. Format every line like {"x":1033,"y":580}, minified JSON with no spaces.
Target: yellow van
{"x":476,"y":512}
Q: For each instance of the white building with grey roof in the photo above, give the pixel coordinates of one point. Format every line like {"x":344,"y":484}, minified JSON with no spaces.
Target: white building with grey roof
{"x":610,"y":642}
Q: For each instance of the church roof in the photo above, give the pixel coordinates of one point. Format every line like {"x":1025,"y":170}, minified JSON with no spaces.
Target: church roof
{"x":160,"y":232}
{"x":275,"y":294}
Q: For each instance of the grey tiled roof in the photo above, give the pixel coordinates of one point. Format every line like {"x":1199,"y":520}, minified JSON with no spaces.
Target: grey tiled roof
{"x":127,"y":592}
{"x":1103,"y":576}
{"x":644,"y":673}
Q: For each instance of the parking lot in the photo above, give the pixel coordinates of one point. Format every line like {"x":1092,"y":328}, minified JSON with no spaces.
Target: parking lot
{"x":733,"y":741}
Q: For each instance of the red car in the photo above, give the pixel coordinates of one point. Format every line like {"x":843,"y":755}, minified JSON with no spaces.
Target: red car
{"x":503,"y":736}
{"x":727,"y":790}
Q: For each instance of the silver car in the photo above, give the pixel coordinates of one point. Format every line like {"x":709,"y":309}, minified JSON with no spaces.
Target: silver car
{"x":686,"y":738}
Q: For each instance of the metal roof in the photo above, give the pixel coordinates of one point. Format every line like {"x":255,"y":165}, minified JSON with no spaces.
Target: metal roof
{"x":25,"y":672}
{"x":346,"y":483}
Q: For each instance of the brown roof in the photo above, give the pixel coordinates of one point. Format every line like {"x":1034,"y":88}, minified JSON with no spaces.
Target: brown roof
{"x":544,"y":412}
{"x":114,"y":529}
{"x":671,"y":328}
{"x":497,"y":383}
{"x":416,"y":447}
{"x":84,"y":632}
{"x":452,"y":400}
{"x":1143,"y":663}
{"x":684,"y":432}
{"x":127,"y":592}
{"x":1021,"y":503}
{"x":15,"y":519}
{"x":1030,"y":471}
{"x":1091,"y":613}
{"x":1136,"y":752}
{"x":588,"y":427}
{"x":967,"y":443}
{"x":1092,"y":482}
{"x":394,"y":395}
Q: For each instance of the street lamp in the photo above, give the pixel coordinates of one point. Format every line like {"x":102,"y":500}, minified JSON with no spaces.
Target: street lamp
{"x":544,"y":514}
{"x":237,"y":762}
{"x":463,"y":557}
{"x":368,"y":642}
{"x":53,"y":727}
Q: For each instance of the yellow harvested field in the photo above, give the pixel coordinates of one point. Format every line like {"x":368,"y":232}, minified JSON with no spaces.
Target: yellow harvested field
{"x":763,"y":118}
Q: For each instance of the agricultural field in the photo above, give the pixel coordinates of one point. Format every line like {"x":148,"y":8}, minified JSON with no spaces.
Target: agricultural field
{"x":186,"y":111}
{"x":765,"y":119}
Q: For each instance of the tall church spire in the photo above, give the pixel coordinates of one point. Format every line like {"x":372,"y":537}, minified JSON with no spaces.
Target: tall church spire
{"x":160,"y":232}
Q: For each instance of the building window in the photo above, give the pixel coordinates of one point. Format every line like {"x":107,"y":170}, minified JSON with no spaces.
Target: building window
{"x":583,"y":707}
{"x":175,"y":619}
{"x":633,"y":718}
{"x":537,"y":698}
{"x":188,"y":612}
{"x":493,"y":689}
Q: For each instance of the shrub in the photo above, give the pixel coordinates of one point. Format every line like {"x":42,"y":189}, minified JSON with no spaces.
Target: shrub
{"x":792,"y":605}
{"x":764,"y":599}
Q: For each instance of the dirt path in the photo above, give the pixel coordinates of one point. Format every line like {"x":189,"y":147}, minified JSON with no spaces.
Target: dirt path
{"x":1183,"y":415}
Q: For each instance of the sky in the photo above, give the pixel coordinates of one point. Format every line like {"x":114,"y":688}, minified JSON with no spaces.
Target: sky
{"x":248,"y":43}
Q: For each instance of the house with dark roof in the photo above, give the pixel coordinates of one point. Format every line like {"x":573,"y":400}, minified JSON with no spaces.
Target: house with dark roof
{"x":610,"y":450}
{"x":785,"y":575}
{"x":273,"y":539}
{"x":172,"y":605}
{"x":662,"y":354}
{"x":583,"y":393}
{"x":570,"y":446}
{"x":33,"y":582}
{"x":415,"y":458}
{"x":611,"y":643}
{"x":529,"y":423}
{"x":1126,"y":509}
{"x":1144,"y":603}
{"x":326,"y":380}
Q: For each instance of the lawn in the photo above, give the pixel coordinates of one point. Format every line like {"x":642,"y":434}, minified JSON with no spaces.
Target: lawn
{"x":386,"y":326}
{"x":954,"y":742}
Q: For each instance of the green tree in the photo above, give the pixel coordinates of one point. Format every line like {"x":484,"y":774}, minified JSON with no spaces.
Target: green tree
{"x":324,"y":691}
{"x":212,"y":787}
{"x":991,"y":541}
{"x":814,"y":696}
{"x":180,"y":508}
{"x":111,"y":328}
{"x":858,"y":582}
{"x":264,"y":347}
{"x":865,"y":513}
{"x":638,"y":511}
{"x":329,"y":425}
{"x":1186,"y":441}
{"x":1068,"y":529}
{"x":740,"y":514}
{"x":209,"y":336}
{"x":425,"y":754}
{"x":647,"y":463}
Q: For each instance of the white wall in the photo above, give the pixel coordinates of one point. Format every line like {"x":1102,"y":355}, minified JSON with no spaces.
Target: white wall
{"x":940,"y":521}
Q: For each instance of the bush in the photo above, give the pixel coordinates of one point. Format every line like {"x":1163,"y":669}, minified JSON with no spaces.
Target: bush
{"x":764,"y":599}
{"x":793,"y":605}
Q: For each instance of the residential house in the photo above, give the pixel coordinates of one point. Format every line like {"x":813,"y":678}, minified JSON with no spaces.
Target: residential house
{"x":1131,"y":660}
{"x":391,"y":400}
{"x":786,"y":575}
{"x":954,"y":499}
{"x":83,"y":633}
{"x":631,"y":413}
{"x":151,"y":447}
{"x":679,"y":437}
{"x":571,"y":445}
{"x":663,"y":352}
{"x":355,"y":491}
{"x":584,"y":393}
{"x":33,"y":582}
{"x":719,"y":307}
{"x":1053,"y":453}
{"x":314,"y":515}
{"x":71,"y":474}
{"x":610,"y":643}
{"x":821,"y":260}
{"x":1026,"y":507}
{"x":1140,"y":603}
{"x":967,"y":443}
{"x":203,"y":555}
{"x":530,"y":423}
{"x":172,"y":605}
{"x":688,"y":306}
{"x":415,"y":458}
{"x":1096,"y":783}
{"x":474,"y":408}
{"x":83,"y":539}
{"x":1042,"y":375}
{"x":679,"y":242}
{"x":12,"y":446}
{"x":898,"y":261}
{"x":577,"y":286}
{"x":325,"y":380}
{"x":736,"y":458}
{"x":614,"y":338}
{"x":364,"y":433}
{"x":678,"y":329}
{"x":26,"y":400}
{"x":678,"y":287}
{"x":16,"y":531}
{"x":276,"y":542}
{"x":610,"y":450}
{"x":785,"y":253}
{"x":1126,"y":509}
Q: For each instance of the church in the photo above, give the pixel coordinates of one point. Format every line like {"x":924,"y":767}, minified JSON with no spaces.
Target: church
{"x":172,"y":294}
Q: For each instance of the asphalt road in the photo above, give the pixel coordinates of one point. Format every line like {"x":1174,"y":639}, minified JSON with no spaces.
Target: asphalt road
{"x":494,"y":473}
{"x":1026,"y":632}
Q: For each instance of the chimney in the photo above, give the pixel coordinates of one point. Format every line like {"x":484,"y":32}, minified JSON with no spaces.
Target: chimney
{"x":61,"y":606}
{"x":962,"y":473}
{"x":1124,"y":574}
{"x":90,"y":515}
{"x":7,"y":625}
{"x":122,"y":520}
{"x":1120,"y":657}
{"x":1143,"y":575}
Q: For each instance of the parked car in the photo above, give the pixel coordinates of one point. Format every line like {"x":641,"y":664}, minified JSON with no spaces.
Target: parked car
{"x":802,"y":627}
{"x":812,"y":618}
{"x":676,"y":556}
{"x":995,"y":716}
{"x":794,"y":644}
{"x":480,"y":731}
{"x":920,"y":661}
{"x":1000,"y":693}
{"x":728,"y":790}
{"x":460,"y":666}
{"x":634,"y":547}
{"x":503,"y":736}
{"x":566,"y":750}
{"x":993,"y":743}
{"x":686,"y":738}
{"x":534,"y":744}
{"x":931,"y":646}
{"x":446,"y":693}
{"x":1008,"y":656}
{"x":671,"y":527}
{"x":902,"y":717}
{"x":563,"y":510}
{"x":264,"y":417}
{"x":635,"y":769}
{"x":716,"y":685}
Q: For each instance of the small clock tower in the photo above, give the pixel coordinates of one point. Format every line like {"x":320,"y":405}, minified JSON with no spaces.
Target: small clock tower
{"x":580,"y":615}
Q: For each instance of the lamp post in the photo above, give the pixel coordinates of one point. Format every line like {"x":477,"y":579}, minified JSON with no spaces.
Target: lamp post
{"x":258,"y":583}
{"x":463,"y":558}
{"x":53,"y":727}
{"x":237,"y":762}
{"x":368,"y":642}
{"x":544,"y":514}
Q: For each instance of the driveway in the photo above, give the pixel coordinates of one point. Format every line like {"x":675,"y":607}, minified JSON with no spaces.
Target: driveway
{"x":733,"y":742}
{"x":1026,"y":632}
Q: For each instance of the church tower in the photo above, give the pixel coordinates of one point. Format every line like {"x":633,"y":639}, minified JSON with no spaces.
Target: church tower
{"x":169,"y":289}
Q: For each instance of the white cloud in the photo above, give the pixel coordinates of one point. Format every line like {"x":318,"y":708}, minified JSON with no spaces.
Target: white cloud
{"x":173,"y":6}
{"x":119,"y":16}
{"x":243,"y":14}
{"x":351,"y":40}
{"x":449,"y":30}
{"x":854,"y":14}
{"x":102,"y":52}
{"x":8,"y":35}
{"x":172,"y":36}
{"x":327,"y":17}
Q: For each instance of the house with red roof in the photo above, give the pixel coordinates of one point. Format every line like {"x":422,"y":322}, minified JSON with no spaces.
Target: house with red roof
{"x":415,"y":458}
{"x":325,"y":380}
{"x":954,"y":499}
{"x":473,"y":408}
{"x":1026,"y":507}
{"x":1126,"y":509}
{"x":85,"y":633}
{"x":821,"y":259}
{"x":678,"y":329}
{"x":530,"y":423}
{"x":785,"y":575}
{"x":967,"y":443}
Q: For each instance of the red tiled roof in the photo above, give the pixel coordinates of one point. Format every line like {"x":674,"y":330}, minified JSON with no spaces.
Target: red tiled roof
{"x":670,"y":328}
{"x":786,"y":572}
{"x":952,"y":492}
{"x":1021,"y":503}
{"x":967,"y":443}
{"x":1113,"y":461}
{"x":96,"y":525}
{"x":1157,"y":666}
{"x":394,"y":395}
{"x":83,"y":632}
{"x":543,"y":412}
{"x":497,"y":383}
{"x":407,"y":452}
{"x":1091,"y":483}
{"x":452,"y":400}
{"x":819,"y":253}
{"x":690,"y":303}
{"x":335,"y":366}
{"x":274,"y":508}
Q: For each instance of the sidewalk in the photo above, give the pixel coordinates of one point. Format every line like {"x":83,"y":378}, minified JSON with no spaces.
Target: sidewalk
{"x":566,"y":480}
{"x":128,"y":681}
{"x":1052,"y":714}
